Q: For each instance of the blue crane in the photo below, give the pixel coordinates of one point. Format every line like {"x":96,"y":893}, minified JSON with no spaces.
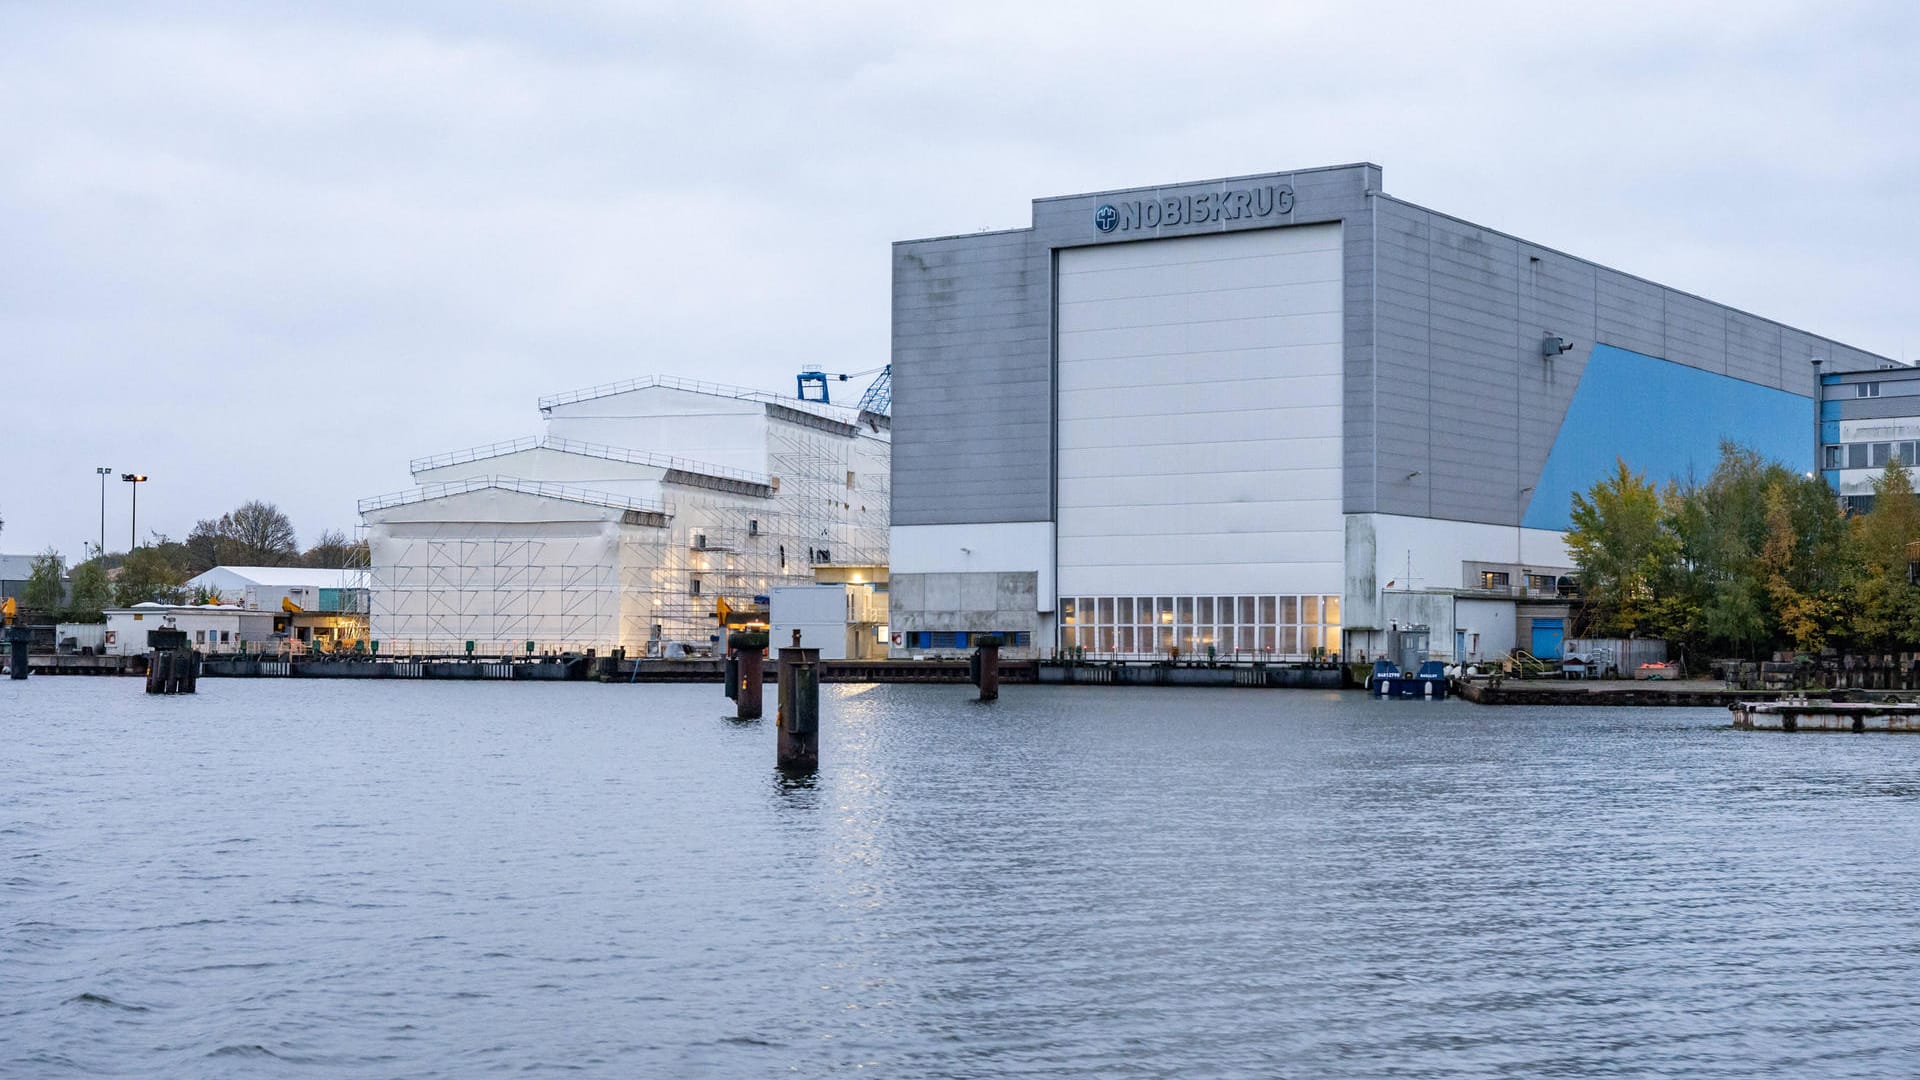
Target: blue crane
{"x":878,"y":398}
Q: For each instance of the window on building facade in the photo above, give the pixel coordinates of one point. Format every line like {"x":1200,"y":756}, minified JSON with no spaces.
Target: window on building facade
{"x":1228,"y":625}
{"x":693,"y":586}
{"x":1856,"y":455}
{"x":1541,"y":582}
{"x":1836,"y":456}
{"x":1880,"y":452}
{"x":1866,"y":389}
{"x":1493,"y":579}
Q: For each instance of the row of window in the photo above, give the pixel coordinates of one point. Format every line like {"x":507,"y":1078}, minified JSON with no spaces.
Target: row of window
{"x":960,"y":639}
{"x":1156,"y":625}
{"x":1196,"y":640}
{"x":1500,"y":579}
{"x":1197,"y":610}
{"x":1874,"y":455}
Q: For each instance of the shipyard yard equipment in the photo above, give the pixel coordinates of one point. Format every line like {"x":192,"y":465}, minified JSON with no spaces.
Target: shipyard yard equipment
{"x":813,"y":385}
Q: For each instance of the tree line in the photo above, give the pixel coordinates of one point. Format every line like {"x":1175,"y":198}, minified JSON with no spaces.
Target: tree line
{"x":1756,"y":559}
{"x":255,"y":533}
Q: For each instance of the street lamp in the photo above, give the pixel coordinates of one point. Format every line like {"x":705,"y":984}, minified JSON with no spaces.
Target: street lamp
{"x":133,"y":522}
{"x":103,"y":472}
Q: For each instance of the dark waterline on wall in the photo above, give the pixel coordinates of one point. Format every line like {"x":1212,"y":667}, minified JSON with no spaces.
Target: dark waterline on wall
{"x":452,"y":880}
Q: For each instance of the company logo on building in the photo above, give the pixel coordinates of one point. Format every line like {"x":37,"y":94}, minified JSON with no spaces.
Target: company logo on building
{"x":1236,"y":204}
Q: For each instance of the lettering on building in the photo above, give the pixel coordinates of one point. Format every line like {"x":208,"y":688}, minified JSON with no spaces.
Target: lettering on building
{"x":1207,"y":207}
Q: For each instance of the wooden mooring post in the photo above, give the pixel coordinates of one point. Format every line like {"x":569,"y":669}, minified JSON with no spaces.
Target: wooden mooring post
{"x":799,"y":708}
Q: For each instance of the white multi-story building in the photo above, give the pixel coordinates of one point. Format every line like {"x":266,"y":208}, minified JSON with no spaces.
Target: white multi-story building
{"x":646,"y":510}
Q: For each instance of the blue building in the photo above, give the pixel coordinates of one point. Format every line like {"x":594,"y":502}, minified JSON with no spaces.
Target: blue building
{"x":1867,"y":418}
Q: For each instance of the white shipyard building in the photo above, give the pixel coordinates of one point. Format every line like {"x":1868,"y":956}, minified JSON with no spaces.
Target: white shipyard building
{"x":646,"y":513}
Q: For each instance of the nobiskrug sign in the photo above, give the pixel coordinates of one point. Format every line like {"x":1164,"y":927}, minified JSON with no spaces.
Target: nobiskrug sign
{"x":1231,"y":205}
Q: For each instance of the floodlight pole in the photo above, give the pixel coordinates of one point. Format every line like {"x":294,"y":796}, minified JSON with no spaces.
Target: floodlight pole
{"x":133,"y":524}
{"x":103,"y":472}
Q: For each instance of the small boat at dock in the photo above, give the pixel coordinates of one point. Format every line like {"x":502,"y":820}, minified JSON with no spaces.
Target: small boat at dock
{"x":1388,"y":681}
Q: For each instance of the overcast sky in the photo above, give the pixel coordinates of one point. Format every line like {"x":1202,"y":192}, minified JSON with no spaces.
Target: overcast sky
{"x":275,"y":251}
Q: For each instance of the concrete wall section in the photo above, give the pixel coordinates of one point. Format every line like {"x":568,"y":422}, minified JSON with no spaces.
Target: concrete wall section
{"x":1489,"y":627}
{"x":1387,"y":552}
{"x":1200,"y":401}
{"x":972,"y":578}
{"x":972,"y":603}
{"x":974,"y":549}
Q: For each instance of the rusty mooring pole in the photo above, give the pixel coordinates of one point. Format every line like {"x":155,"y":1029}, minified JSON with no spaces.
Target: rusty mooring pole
{"x":799,"y":708}
{"x":746,"y":673}
{"x":989,"y":668}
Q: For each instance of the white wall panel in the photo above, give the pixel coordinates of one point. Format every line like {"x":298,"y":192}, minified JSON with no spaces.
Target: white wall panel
{"x":1212,"y":367}
{"x":1200,"y":386}
{"x":975,"y":549}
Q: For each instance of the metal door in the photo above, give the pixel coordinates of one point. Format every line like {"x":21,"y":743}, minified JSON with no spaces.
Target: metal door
{"x":1547,"y":635}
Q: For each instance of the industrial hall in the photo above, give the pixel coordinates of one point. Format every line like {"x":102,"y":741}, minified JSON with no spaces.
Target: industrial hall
{"x":1289,"y":415}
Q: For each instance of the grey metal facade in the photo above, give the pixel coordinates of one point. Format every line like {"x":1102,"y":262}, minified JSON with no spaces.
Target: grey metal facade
{"x":1466,"y":400}
{"x":1450,"y":407}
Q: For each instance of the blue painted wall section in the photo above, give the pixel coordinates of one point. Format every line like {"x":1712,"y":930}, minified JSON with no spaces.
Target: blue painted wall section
{"x":1666,"y":420}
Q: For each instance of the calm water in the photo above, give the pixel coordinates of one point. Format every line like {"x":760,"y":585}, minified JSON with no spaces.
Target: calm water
{"x":393,"y":879}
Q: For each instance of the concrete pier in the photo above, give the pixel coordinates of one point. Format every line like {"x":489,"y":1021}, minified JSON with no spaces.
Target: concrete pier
{"x":1849,"y":717}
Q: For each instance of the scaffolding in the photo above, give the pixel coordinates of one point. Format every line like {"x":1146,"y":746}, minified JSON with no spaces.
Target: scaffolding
{"x":504,"y":561}
{"x":500,"y":580}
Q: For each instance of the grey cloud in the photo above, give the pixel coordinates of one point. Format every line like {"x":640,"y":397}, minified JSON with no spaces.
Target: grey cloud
{"x":274,"y":251}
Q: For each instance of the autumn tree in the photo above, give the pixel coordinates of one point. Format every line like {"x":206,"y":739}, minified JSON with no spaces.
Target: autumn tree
{"x":1801,"y":610}
{"x":46,"y":582}
{"x":1887,"y":602}
{"x":1620,"y":543}
{"x":262,"y":535}
{"x":334,"y":551}
{"x":1755,"y":557}
{"x":254,"y":534}
{"x":155,"y":571}
{"x":91,"y":591}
